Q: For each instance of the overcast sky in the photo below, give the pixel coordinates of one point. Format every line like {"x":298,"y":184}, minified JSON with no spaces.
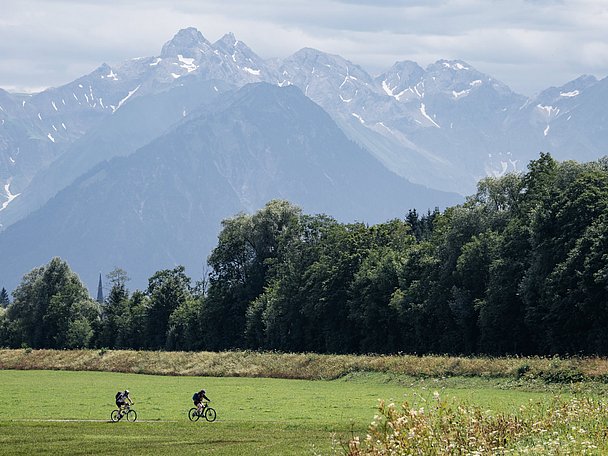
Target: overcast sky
{"x":527,"y":44}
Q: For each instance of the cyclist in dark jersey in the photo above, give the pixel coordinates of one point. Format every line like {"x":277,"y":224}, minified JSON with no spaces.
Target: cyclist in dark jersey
{"x":121,"y":400}
{"x":198,"y":398}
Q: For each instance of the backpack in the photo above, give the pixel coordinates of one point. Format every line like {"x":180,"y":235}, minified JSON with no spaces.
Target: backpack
{"x":119,"y":395}
{"x":195,"y":397}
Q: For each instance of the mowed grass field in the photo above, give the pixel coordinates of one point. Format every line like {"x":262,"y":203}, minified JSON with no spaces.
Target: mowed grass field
{"x":58,"y":412}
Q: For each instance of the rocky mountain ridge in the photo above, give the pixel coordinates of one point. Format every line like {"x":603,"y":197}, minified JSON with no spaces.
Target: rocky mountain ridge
{"x":443,"y":126}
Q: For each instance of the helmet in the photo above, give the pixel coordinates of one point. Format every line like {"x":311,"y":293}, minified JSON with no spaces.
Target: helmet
{"x":203,"y":391}
{"x":126,"y":391}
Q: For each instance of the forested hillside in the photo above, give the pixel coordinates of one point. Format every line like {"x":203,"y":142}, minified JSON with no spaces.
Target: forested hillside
{"x":520,"y":268}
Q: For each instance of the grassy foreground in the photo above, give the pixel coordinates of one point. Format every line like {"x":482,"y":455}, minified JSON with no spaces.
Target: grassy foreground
{"x":302,"y":404}
{"x":255,"y":415}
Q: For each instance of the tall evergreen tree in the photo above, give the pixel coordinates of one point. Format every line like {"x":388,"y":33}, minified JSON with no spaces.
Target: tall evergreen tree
{"x":100,"y":291}
{"x":4,"y":299}
{"x":115,"y":316}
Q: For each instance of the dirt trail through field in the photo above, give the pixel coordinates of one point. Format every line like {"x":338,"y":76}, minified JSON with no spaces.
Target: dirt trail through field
{"x":36,"y":420}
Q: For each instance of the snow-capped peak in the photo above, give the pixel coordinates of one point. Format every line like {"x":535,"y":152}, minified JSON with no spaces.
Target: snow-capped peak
{"x":229,"y":45}
{"x":407,"y":70}
{"x":451,"y":66}
{"x":566,"y":92}
{"x":228,"y":40}
{"x":455,"y":65}
{"x":185,"y":42}
{"x":401,"y":79}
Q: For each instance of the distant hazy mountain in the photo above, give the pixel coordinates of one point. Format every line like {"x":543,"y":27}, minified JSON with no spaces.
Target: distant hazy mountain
{"x":36,"y":129}
{"x":443,"y":126}
{"x":569,"y":121}
{"x":163,"y":204}
{"x":120,"y":134}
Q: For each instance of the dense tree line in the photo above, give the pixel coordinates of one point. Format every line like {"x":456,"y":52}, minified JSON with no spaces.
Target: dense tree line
{"x":520,"y":268}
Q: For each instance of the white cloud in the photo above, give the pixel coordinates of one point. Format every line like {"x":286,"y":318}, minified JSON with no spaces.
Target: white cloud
{"x":528,"y":44}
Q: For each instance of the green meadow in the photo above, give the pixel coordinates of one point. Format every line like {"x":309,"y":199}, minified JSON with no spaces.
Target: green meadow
{"x":63,"y":412}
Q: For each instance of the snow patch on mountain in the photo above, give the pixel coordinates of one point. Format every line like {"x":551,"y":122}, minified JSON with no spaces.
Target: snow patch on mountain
{"x":387,"y":89}
{"x":548,"y":110}
{"x":455,"y":66}
{"x":187,"y":63}
{"x":571,"y":94}
{"x":129,"y":95}
{"x":252,"y":71}
{"x":357,"y":116}
{"x":390,"y":92}
{"x":9,"y":196}
{"x":462,"y":93}
{"x":423,"y":112}
{"x":385,"y":127}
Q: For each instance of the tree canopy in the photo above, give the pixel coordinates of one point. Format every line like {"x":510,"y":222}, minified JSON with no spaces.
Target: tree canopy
{"x":520,"y":268}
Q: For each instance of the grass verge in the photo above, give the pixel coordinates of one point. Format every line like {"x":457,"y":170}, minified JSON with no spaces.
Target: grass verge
{"x":307,"y":366}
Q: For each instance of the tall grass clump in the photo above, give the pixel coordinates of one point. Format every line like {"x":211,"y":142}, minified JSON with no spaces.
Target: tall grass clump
{"x":576,"y":426}
{"x":308,"y":366}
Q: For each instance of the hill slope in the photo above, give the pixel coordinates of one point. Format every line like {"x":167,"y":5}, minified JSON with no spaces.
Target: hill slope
{"x":163,"y":204}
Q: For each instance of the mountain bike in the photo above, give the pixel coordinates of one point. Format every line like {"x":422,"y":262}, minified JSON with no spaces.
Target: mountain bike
{"x":205,"y":411}
{"x":125,"y":411}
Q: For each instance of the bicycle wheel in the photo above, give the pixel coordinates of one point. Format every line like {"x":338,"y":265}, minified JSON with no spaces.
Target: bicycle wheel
{"x":210,"y":414}
{"x":131,"y":415}
{"x":114,"y":417}
{"x":193,"y":414}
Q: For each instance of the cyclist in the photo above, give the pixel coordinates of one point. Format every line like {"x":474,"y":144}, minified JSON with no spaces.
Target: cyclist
{"x":198,"y":398}
{"x":121,"y":400}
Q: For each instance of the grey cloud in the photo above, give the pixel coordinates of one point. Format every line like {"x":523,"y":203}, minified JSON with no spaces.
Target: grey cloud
{"x":47,"y":42}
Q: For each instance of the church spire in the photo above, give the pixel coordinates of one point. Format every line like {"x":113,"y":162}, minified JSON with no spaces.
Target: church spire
{"x":100,"y":291}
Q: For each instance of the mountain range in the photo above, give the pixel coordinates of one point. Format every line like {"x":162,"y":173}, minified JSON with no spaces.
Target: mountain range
{"x":135,"y":164}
